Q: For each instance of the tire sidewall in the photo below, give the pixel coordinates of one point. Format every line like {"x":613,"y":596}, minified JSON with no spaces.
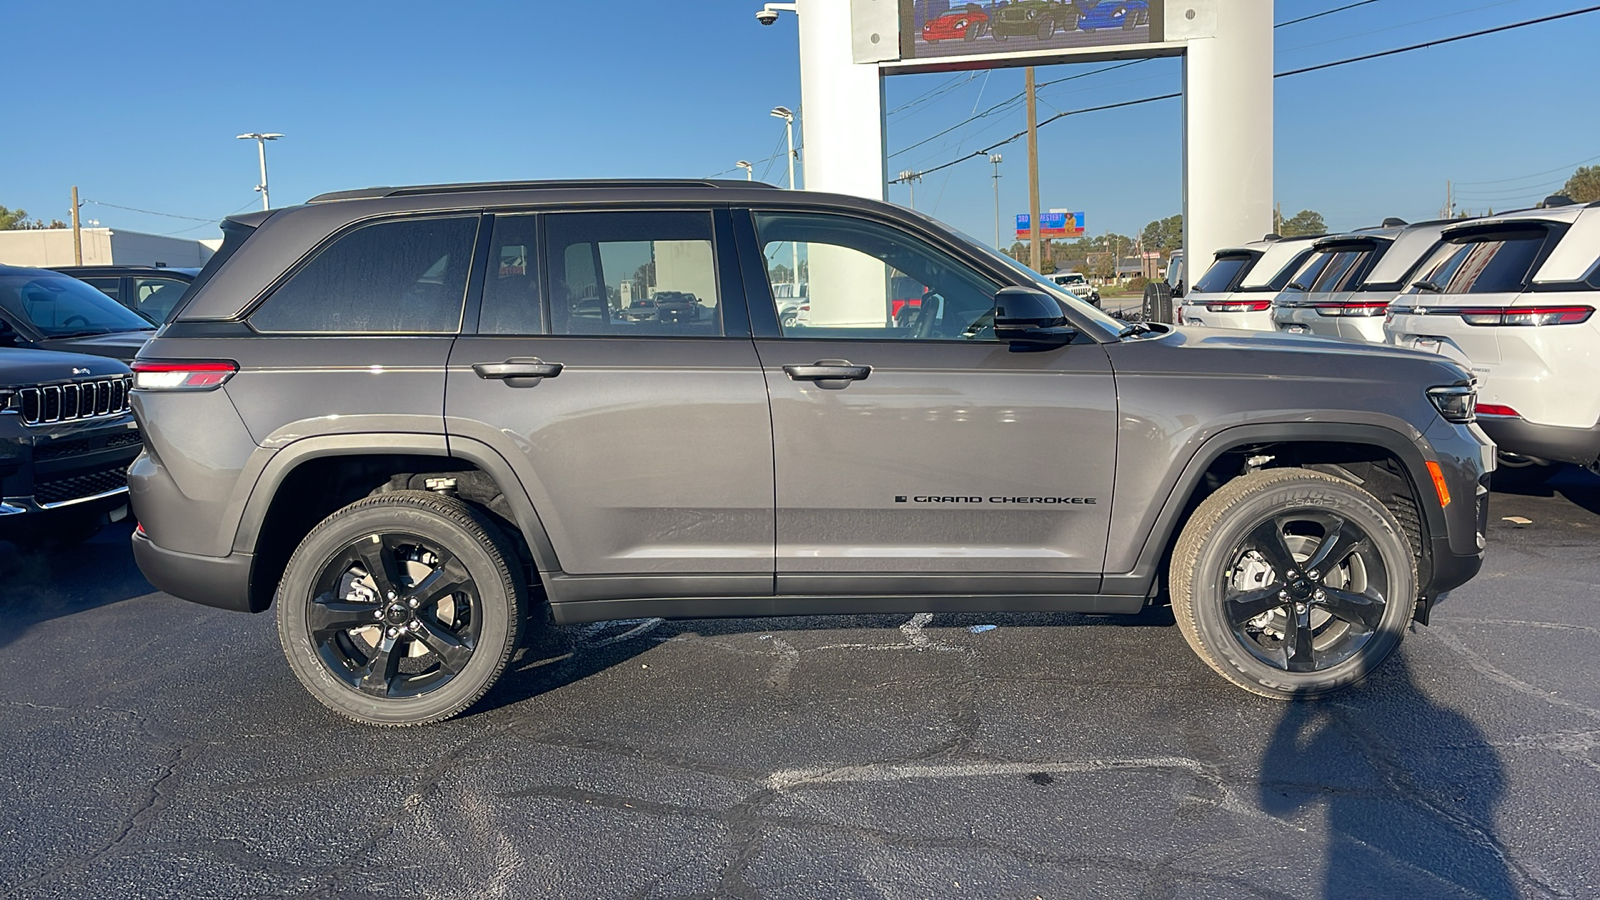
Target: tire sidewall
{"x":318,"y":550}
{"x":1206,"y":589}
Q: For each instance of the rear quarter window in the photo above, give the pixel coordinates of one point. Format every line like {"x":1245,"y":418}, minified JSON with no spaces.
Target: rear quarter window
{"x":400,"y":277}
{"x":1223,"y":274}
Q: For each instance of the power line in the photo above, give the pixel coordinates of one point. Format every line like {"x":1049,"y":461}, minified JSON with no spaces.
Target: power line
{"x":248,"y":203}
{"x":1300,"y":71}
{"x":1435,"y":43}
{"x":150,"y":212}
{"x":1532,"y":174}
{"x":1326,"y":12}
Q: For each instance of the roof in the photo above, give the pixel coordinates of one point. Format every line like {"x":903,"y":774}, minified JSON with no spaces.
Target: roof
{"x":372,"y":193}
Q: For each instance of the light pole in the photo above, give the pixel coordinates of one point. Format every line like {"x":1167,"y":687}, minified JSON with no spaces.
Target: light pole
{"x":996,"y":158}
{"x":749,"y":170}
{"x":261,"y":146}
{"x":783,"y":112}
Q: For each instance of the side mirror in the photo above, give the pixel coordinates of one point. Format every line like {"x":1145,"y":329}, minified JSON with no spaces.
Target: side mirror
{"x":1030,"y":320}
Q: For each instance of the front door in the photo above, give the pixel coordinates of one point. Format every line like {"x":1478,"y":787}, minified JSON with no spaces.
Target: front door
{"x":914,"y":451}
{"x":612,"y":375}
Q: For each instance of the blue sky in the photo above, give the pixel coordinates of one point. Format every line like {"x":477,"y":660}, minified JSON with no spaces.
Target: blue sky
{"x":138,"y":104}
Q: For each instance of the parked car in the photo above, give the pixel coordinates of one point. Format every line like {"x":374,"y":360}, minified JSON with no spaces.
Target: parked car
{"x":673,"y":307}
{"x":1356,"y":275}
{"x":66,"y":439}
{"x":969,"y":24}
{"x":409,"y":509}
{"x":1033,"y":18}
{"x":1512,"y":298}
{"x":1238,"y":290}
{"x":641,"y":310}
{"x":1112,"y":14}
{"x":150,"y":291}
{"x":45,"y":310}
{"x":1078,"y":285}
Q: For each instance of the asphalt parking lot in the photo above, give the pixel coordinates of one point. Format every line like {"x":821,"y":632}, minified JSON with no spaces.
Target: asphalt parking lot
{"x":153,"y":748}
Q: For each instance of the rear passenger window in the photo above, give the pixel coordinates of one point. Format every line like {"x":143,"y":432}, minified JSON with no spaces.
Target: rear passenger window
{"x":1486,"y":264}
{"x":402,"y":277}
{"x":641,"y":273}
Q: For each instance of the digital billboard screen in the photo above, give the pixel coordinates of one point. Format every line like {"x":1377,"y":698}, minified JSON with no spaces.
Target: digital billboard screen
{"x":935,"y":29}
{"x":1058,"y":224}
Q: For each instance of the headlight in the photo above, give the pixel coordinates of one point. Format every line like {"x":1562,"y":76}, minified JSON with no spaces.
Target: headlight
{"x":1457,"y":402}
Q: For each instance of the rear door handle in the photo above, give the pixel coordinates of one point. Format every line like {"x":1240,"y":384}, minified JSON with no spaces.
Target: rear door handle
{"x":518,"y":372}
{"x":828,"y":370}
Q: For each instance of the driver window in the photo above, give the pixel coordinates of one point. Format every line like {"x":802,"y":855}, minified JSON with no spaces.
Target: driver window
{"x":835,"y":276}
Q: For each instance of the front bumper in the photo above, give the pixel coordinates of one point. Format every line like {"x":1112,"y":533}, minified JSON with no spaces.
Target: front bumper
{"x":1515,"y":434}
{"x":77,"y":466}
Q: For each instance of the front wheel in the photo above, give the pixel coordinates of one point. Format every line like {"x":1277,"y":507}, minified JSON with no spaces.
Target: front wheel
{"x":400,"y":609}
{"x":1291,"y":583}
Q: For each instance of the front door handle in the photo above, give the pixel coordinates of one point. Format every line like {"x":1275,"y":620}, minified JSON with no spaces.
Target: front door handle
{"x":518,"y":372}
{"x":828,"y":370}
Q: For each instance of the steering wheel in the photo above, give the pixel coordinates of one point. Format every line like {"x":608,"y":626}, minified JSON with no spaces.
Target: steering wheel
{"x":74,"y":320}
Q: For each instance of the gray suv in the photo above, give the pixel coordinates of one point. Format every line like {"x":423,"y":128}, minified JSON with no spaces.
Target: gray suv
{"x":419,"y":421}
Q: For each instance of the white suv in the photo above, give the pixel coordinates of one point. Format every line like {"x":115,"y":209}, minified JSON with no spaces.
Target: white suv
{"x":1344,"y":289}
{"x":1513,"y":299}
{"x":1237,"y":291}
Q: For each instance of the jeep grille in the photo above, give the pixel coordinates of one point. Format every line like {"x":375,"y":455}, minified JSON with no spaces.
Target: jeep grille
{"x":72,"y":402}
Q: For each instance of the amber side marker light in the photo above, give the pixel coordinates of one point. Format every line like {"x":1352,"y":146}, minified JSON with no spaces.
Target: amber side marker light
{"x":1438,"y":483}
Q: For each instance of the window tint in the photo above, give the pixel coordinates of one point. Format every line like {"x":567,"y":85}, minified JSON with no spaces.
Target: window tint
{"x":1484,"y":264}
{"x":405,"y":277}
{"x":1338,"y":268}
{"x":1309,"y":271}
{"x":868,"y":281}
{"x":111,"y":287}
{"x":154,"y":298}
{"x":1222,"y":274}
{"x":642,"y":273}
{"x":511,"y":300}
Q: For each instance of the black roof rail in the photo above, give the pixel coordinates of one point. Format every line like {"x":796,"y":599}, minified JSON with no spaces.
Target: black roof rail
{"x":373,"y":193}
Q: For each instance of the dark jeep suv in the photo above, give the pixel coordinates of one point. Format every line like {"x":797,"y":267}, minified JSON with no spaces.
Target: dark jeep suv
{"x":66,"y":438}
{"x":421,"y":420}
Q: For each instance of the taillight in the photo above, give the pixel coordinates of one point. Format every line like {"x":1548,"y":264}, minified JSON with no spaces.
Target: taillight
{"x":1548,"y":315}
{"x":1245,"y":306}
{"x":189,"y":375}
{"x":1495,"y":409}
{"x":1352,"y":308}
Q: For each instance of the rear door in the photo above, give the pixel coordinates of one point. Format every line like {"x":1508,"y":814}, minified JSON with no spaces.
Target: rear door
{"x":918,"y":453}
{"x":644,"y":442}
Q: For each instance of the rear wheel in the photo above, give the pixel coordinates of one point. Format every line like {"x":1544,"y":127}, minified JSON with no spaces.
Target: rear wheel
{"x":1291,"y":583}
{"x":400,"y":609}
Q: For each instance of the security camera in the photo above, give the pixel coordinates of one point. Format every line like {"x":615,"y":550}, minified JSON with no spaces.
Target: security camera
{"x":766,"y":16}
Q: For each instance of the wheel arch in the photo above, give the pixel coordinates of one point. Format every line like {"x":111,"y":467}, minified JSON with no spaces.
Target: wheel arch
{"x":332,"y":471}
{"x":1337,"y":446}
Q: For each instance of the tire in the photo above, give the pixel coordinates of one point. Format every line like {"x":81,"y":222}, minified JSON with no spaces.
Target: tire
{"x":452,"y":644}
{"x":1313,"y":632}
{"x":1000,"y":36}
{"x":1130,"y":19}
{"x":1158,"y":302}
{"x":1070,"y":21}
{"x":789,"y":320}
{"x":1047,"y":27}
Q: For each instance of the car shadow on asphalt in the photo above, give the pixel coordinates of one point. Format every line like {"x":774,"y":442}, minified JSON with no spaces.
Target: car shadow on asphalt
{"x":40,"y":585}
{"x":558,"y":656}
{"x":1579,"y":486}
{"x":1409,"y":788}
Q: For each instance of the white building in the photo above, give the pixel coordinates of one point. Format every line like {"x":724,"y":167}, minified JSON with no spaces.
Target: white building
{"x":102,"y":247}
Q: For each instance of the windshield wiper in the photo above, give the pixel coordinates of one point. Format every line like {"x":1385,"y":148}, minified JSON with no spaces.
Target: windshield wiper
{"x":1132,"y":329}
{"x":1428,"y":286}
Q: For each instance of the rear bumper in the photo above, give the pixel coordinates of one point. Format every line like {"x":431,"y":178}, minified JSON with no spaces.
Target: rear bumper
{"x":1517,"y":435}
{"x":223,"y":582}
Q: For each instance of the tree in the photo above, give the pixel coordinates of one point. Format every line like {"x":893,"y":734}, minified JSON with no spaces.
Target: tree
{"x":17,"y":220}
{"x":1583,"y":186}
{"x":1304,"y":222}
{"x":1163,"y":235}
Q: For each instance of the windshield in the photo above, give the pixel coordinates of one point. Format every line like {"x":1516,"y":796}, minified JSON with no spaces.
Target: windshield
{"x":1112,"y":326}
{"x":58,"y":306}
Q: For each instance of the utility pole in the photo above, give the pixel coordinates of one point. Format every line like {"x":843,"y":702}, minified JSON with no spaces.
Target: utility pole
{"x":996,"y":158}
{"x":1449,"y":200}
{"x":911,"y":178}
{"x":787,"y":115}
{"x":1033,"y":174}
{"x":77,"y":232}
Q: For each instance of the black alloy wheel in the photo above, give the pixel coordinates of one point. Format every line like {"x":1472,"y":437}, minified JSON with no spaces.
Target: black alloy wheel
{"x":1305,"y":590}
{"x":401,"y":609}
{"x":1292,"y":583}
